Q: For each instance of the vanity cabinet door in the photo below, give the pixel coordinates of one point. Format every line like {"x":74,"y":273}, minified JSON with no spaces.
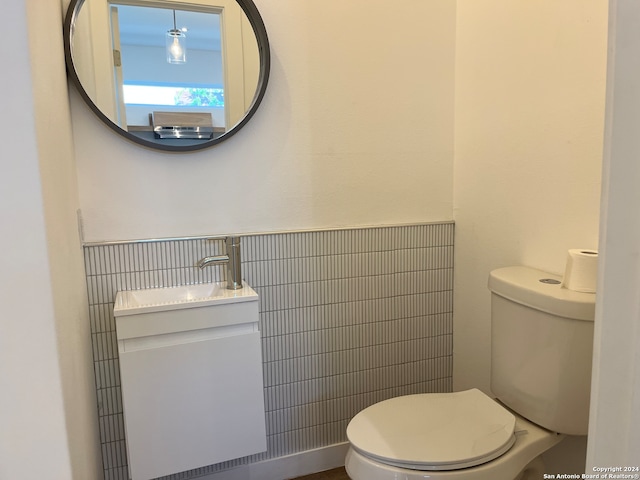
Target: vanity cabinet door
{"x":192,"y":404}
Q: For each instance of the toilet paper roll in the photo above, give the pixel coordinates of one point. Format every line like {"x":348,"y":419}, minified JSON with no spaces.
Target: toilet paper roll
{"x":581,"y":270}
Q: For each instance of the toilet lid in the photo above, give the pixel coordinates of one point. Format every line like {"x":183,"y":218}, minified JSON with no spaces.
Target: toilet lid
{"x":433,"y":431}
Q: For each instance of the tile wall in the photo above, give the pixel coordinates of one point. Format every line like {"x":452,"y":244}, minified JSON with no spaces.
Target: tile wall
{"x":348,"y":317}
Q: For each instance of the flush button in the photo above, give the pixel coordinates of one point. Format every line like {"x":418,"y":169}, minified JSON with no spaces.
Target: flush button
{"x":550,"y":281}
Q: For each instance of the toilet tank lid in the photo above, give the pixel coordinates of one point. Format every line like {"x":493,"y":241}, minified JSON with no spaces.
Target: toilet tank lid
{"x":522,"y":285}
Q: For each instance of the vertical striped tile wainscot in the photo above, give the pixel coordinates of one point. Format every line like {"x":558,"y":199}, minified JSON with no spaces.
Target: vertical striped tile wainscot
{"x":348,"y":317}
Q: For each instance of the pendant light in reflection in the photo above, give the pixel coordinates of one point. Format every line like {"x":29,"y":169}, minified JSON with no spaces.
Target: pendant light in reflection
{"x":176,"y":42}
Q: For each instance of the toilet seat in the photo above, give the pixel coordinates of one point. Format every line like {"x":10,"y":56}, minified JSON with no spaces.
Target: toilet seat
{"x":433,"y":431}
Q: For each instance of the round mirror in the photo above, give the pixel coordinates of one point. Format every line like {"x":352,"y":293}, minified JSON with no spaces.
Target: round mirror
{"x":169,"y":74}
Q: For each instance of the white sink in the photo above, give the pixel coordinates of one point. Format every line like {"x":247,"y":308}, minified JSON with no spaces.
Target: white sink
{"x":150,"y":300}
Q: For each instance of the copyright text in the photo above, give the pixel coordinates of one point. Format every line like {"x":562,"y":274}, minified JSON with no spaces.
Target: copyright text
{"x":600,"y":473}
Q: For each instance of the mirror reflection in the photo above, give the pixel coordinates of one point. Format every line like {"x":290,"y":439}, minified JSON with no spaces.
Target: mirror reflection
{"x":174,"y":74}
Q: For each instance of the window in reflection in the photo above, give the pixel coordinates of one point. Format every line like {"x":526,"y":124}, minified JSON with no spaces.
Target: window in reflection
{"x":173,"y":95}
{"x":144,"y":77}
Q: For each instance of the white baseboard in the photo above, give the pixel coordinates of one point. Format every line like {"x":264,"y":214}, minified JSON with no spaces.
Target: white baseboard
{"x":290,"y":466}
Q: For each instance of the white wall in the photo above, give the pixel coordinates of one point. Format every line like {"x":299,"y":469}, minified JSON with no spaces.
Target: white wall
{"x":529,"y":115}
{"x":614,"y":437}
{"x":48,"y":404}
{"x":356,"y":128}
{"x":530,"y":85}
{"x":60,"y":201}
{"x":33,"y":439}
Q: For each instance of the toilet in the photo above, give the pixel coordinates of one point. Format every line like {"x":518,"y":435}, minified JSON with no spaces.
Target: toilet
{"x":542,"y":336}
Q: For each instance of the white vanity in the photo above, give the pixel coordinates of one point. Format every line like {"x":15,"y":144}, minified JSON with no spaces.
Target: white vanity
{"x":191,"y":375}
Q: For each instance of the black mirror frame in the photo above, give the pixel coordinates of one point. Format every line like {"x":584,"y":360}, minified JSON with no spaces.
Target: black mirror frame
{"x":260,"y":31}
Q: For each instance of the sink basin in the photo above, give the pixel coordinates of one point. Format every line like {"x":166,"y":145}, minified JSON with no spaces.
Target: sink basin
{"x":150,"y":300}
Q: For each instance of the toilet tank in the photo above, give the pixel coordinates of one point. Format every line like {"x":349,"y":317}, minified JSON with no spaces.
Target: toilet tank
{"x":542,"y":342}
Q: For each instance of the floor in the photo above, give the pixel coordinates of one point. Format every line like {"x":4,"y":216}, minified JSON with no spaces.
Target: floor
{"x":335,"y":474}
